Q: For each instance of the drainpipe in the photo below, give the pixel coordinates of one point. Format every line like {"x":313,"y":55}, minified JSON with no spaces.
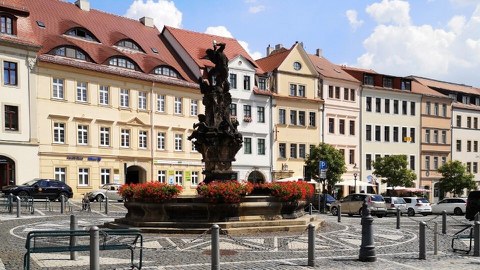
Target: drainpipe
{"x":272,"y":143}
{"x":152,"y":136}
{"x":360,"y":148}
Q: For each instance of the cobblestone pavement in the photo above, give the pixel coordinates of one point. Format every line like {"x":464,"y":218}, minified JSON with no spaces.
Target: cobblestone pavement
{"x":336,"y":244}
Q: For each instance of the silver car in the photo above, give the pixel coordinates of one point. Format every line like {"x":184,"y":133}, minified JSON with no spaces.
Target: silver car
{"x":352,"y":204}
{"x":109,"y":190}
{"x":392,"y":203}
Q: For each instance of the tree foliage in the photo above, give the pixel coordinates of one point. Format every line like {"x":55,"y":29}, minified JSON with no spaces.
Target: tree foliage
{"x":335,"y":162}
{"x":393,"y":171}
{"x":455,"y":178}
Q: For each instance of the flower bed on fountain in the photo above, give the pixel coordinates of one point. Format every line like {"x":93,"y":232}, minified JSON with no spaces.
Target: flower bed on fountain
{"x":218,"y":201}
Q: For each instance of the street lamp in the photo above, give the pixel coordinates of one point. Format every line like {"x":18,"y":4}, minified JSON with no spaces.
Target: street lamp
{"x":355,"y":182}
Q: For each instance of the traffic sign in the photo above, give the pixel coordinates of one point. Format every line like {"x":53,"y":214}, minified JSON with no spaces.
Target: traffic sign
{"x":322,"y":164}
{"x":323,"y":174}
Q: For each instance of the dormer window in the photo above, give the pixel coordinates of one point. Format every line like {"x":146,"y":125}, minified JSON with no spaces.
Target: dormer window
{"x":387,"y":82}
{"x":166,"y":71}
{"x":368,"y":79}
{"x":7,"y":24}
{"x":70,"y":52}
{"x":406,"y":85}
{"x":82,"y":33}
{"x":122,"y":62}
{"x":129,"y":44}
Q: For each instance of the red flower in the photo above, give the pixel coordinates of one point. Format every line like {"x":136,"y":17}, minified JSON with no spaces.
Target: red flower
{"x":150,"y":191}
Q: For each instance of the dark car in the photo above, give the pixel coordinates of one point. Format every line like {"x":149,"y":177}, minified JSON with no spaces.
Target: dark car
{"x":40,"y":189}
{"x":317,"y":201}
{"x":473,"y":205}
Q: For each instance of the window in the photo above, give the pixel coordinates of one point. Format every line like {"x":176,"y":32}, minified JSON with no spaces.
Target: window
{"x":301,"y":118}
{"x":246,"y":82}
{"x":469,"y":146}
{"x":247,"y":145}
{"x":369,"y":104}
{"x":261,"y":114}
{"x":352,"y":94}
{"x":83,"y":176}
{"x":352,"y":127}
{"x":11,"y":118}
{"x":179,"y":178}
{"x":444,"y":110}
{"x":161,"y":103}
{"x":59,"y":132}
{"x":282,"y":150}
{"x":435,"y":109}
{"x":406,"y":85}
{"x":341,"y":126}
{"x":166,"y":71}
{"x":142,"y":139}
{"x":395,"y":106}
{"x":475,"y":167}
{"x":475,"y":123}
{"x":378,"y":105}
{"x":293,"y":90}
{"x":377,"y":133}
{"x":9,"y":73}
{"x":312,"y":119}
{"x":129,"y":44}
{"x":125,"y":138}
{"x":60,"y":174}
{"x":427,"y":162}
{"x":459,"y":121}
{"x":459,"y":146}
{"x":122,"y":62}
{"x":469,"y":167}
{"x":104,"y":95}
{"x":82,"y":134}
{"x":261,"y":146}
{"x":293,"y":117}
{"x":469,"y":122}
{"x":331,"y":125}
{"x":70,"y":53}
{"x":282,"y":116}
{"x":395,"y":134}
{"x":301,"y":151}
{"x":104,"y":136}
{"x":351,"y":156}
{"x":404,"y":107}
{"x":193,"y":107}
{"x":162,"y":176}
{"x":337,"y":92}
{"x":475,"y":146}
{"x":368,"y":133}
{"x":368,"y":161}
{"x":194,"y":176}
{"x":444,"y":160}
{"x":233,"y":109}
{"x":57,"y":88}
{"x":161,"y":141}
{"x":435,"y":136}
{"x":124,"y":98}
{"x":247,"y":111}
{"x":386,"y":133}
{"x":233,"y":81}
{"x":178,"y":142}
{"x":412,"y":108}
{"x":6,"y":25}
{"x":387,"y":82}
{"x":330,"y":91}
{"x":104,"y":176}
{"x":368,"y":79}
{"x":444,"y":136}
{"x":427,"y":136}
{"x":142,"y":100}
{"x":177,"y":105}
{"x":428,"y":108}
{"x":412,"y":135}
{"x":345,"y":94}
{"x":404,"y":134}
{"x":297,"y":65}
{"x":412,"y":163}
{"x":293,"y":150}
{"x":262,"y":84}
{"x":301,"y":90}
{"x":81,"y":33}
{"x":387,"y":105}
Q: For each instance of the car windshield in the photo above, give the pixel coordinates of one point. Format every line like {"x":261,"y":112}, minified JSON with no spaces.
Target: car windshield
{"x":377,"y":198}
{"x":422,"y":200}
{"x":30,"y":183}
{"x":400,"y":201}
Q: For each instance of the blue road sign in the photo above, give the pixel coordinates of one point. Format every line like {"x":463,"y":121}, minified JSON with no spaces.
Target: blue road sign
{"x":322,"y":164}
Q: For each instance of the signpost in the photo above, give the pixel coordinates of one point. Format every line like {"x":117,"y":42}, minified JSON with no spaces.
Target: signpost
{"x":322,"y":169}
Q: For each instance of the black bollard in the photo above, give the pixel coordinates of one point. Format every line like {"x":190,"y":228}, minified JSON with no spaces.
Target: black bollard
{"x":398,"y":218}
{"x":339,"y":213}
{"x":367,"y":248}
{"x":444,"y":222}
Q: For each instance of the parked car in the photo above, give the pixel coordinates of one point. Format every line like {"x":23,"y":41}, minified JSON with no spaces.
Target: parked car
{"x":418,"y":205}
{"x":392,"y":203}
{"x":40,"y":189}
{"x":353,"y":203}
{"x":456,"y":206}
{"x":473,"y":205}
{"x":109,"y":190}
{"x":315,"y":201}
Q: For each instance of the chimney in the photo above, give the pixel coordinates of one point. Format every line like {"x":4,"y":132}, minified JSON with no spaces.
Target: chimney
{"x":278,"y":46}
{"x":269,"y":50}
{"x":147,"y":21}
{"x":83,"y":4}
{"x":319,"y":53}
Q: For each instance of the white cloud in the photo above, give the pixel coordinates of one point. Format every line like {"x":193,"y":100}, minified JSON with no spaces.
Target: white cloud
{"x":352,"y":17}
{"x":449,"y":53}
{"x":256,"y":9}
{"x":163,"y":12}
{"x":390,"y":12}
{"x":223,"y":32}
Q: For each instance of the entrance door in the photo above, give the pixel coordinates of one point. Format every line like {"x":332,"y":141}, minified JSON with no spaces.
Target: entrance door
{"x":135,"y":175}
{"x":256,"y":177}
{"x":7,"y":171}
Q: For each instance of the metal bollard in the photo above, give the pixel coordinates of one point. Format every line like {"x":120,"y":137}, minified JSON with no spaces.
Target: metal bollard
{"x":398,"y":218}
{"x":94,"y":248}
{"x":106,"y":205}
{"x":421,"y":241}
{"x":444,"y":222}
{"x":310,"y":209}
{"x":62,"y":204}
{"x":339,"y":213}
{"x":367,"y":248}
{"x":435,"y":238}
{"x":10,"y":203}
{"x":215,"y":247}
{"x":73,"y":239}
{"x":18,"y":206}
{"x":476,"y":239}
{"x":311,"y":245}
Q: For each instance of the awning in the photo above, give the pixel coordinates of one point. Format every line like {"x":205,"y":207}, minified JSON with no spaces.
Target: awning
{"x":352,"y":183}
{"x":409,"y":189}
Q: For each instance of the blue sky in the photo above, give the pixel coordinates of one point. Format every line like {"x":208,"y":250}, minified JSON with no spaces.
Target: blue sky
{"x":439,"y":39}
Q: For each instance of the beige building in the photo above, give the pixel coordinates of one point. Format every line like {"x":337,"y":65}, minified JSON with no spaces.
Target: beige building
{"x":296,"y":108}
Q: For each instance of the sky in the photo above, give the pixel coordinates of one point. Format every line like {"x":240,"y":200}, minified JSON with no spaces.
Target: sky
{"x":438,"y":39}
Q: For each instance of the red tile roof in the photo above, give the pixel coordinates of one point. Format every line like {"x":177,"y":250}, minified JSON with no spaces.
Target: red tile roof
{"x":274,"y":60}
{"x":195,"y":44}
{"x":425,"y":90}
{"x":14,"y":6}
{"x":447,"y":85}
{"x":358,"y":69}
{"x":330,"y":70}
{"x":59,"y":17}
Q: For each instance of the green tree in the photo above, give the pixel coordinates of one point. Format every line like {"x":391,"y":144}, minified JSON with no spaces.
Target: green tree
{"x":455,"y":178}
{"x":335,"y":162}
{"x":393,"y":171}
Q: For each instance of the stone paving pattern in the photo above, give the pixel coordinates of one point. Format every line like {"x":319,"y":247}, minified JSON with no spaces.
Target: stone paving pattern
{"x":336,"y":245}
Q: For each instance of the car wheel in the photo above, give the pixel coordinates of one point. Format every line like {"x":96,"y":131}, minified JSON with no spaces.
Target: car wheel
{"x":99,"y":198}
{"x":334,"y":211}
{"x":411,"y":212}
{"x":22,"y":193}
{"x":65,"y":195}
{"x":381,"y":215}
{"x":424,"y":214}
{"x":457,"y":211}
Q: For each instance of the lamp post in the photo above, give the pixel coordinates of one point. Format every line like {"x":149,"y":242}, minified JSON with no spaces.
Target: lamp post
{"x":355,"y":182}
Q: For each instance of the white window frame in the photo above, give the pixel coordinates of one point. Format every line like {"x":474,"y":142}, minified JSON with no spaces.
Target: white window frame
{"x":60,"y":174}
{"x":179,"y":178}
{"x":194,"y":176}
{"x":82,"y":94}
{"x":161,"y":140}
{"x":104,"y":176}
{"x":193,"y":107}
{"x":178,"y":142}
{"x":58,"y":88}
{"x":82,"y":134}
{"x":125,"y":138}
{"x":83,"y":178}
{"x":177,"y":105}
{"x":104,"y":136}
{"x":124,"y":98}
{"x":142,"y":139}
{"x":59,"y":132}
{"x":103,"y":95}
{"x":160,"y":103}
{"x":162,"y":176}
{"x":142,"y":101}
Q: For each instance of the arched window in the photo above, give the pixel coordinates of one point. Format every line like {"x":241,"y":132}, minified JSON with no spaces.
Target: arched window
{"x":70,"y":52}
{"x":122,"y":62}
{"x":129,"y":44}
{"x":7,"y":24}
{"x":167,"y":71}
{"x":81,"y":33}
